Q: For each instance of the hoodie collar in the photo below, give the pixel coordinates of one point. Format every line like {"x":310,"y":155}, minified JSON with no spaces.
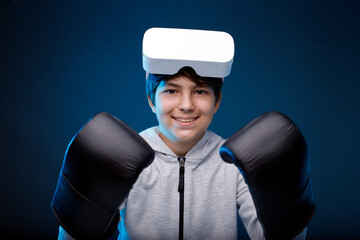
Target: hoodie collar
{"x":197,"y":153}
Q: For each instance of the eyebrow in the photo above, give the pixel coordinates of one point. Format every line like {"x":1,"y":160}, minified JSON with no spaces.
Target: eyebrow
{"x":170,"y":84}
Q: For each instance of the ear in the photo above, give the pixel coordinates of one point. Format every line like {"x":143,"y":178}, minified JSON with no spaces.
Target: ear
{"x":151,"y":105}
{"x":217,"y":105}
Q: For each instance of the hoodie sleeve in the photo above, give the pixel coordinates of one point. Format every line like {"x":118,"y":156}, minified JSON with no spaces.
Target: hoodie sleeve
{"x":247,"y":210}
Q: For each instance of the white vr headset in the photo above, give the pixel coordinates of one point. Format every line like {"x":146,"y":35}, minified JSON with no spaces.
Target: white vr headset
{"x":167,"y":50}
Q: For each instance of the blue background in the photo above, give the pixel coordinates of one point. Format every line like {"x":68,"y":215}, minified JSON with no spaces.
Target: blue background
{"x":64,"y":61}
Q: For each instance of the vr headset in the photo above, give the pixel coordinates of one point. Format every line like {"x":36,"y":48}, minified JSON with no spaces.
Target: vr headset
{"x":167,"y":50}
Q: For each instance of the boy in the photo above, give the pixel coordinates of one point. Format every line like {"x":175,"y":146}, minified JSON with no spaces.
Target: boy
{"x":178,"y":186}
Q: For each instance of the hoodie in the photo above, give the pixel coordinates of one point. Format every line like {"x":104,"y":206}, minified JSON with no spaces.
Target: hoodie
{"x":215,"y":194}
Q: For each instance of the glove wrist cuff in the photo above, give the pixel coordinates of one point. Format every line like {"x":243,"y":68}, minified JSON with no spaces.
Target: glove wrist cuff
{"x":80,"y":217}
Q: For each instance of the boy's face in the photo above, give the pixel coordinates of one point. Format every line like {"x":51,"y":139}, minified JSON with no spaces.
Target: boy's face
{"x":184,"y":110}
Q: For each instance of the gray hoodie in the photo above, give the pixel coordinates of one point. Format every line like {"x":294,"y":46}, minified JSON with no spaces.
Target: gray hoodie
{"x":214,"y":193}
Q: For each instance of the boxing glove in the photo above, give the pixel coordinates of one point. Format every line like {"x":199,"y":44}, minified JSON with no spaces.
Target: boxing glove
{"x":102,"y":162}
{"x":271,"y":154}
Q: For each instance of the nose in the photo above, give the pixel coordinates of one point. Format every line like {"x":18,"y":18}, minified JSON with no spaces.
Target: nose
{"x":186,"y":103}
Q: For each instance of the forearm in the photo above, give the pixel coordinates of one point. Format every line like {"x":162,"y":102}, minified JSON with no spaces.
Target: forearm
{"x":301,"y":236}
{"x":63,"y":235}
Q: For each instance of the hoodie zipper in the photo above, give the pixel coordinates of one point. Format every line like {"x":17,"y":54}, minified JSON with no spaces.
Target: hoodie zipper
{"x":181,"y":192}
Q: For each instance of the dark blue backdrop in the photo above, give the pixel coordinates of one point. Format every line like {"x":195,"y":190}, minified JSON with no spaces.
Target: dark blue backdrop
{"x":64,"y":61}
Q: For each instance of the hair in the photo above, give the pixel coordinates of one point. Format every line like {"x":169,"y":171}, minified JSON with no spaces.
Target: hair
{"x":153,"y":81}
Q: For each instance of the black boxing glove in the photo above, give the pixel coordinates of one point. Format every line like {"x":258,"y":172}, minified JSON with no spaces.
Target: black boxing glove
{"x":102,"y":162}
{"x":271,"y":154}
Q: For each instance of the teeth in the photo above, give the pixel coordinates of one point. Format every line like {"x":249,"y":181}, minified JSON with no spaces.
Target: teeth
{"x":184,"y":120}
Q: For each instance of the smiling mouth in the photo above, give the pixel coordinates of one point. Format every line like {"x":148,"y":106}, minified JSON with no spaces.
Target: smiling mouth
{"x":185,"y":120}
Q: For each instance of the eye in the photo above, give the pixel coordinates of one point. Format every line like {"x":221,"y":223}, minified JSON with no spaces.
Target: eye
{"x":170,"y":91}
{"x":201,"y":92}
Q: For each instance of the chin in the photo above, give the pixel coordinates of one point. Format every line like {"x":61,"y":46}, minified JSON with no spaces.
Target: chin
{"x":189,"y":137}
